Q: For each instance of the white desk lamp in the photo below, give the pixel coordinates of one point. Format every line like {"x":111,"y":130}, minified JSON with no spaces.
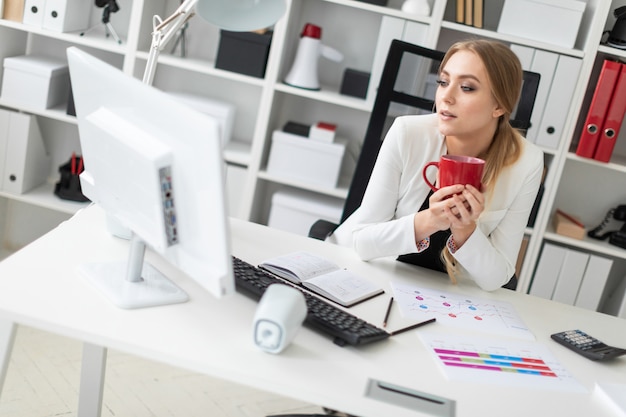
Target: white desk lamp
{"x":233,"y":15}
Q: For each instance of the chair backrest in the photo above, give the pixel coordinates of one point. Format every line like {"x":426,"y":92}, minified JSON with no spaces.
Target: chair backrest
{"x":392,"y":101}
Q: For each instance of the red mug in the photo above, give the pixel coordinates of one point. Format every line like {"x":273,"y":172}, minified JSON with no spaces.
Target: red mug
{"x":455,"y":169}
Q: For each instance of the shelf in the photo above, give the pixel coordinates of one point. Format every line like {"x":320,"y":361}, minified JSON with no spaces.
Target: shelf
{"x":94,"y":39}
{"x":484,"y":33}
{"x":327,"y":95}
{"x":340,"y":192}
{"x":43,"y":196}
{"x":588,"y":244}
{"x":202,"y":67}
{"x":617,"y":163}
{"x":56,"y":113}
{"x":609,"y":50}
{"x":383,"y":10}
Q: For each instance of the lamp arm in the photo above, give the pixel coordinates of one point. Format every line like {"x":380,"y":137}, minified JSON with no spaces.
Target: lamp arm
{"x":163,"y":32}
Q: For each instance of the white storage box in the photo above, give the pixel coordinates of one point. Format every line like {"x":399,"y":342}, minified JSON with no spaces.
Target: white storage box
{"x":37,"y":82}
{"x":67,"y":15}
{"x":296,"y":210}
{"x":222,"y":111}
{"x":24,"y":159}
{"x":34,"y":12}
{"x":551,"y":21}
{"x":297,"y":157}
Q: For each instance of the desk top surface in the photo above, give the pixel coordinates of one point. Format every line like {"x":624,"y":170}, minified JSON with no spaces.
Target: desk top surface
{"x":39,"y":287}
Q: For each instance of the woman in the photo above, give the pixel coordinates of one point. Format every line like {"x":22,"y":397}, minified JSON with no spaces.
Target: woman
{"x":467,"y":232}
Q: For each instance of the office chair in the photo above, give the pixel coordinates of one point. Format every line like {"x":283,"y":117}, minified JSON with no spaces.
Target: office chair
{"x":388,"y":98}
{"x":379,"y":122}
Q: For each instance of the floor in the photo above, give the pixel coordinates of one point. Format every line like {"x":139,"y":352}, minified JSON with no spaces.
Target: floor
{"x":43,"y":379}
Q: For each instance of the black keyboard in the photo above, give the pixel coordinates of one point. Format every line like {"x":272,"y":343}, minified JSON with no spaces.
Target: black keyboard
{"x":323,"y":316}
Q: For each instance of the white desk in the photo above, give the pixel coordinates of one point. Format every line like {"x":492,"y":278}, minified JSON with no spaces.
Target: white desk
{"x":39,"y":288}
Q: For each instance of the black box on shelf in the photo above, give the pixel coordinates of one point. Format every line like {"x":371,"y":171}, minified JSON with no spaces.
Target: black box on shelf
{"x":296,"y":128}
{"x":355,"y":83}
{"x":243,"y":52}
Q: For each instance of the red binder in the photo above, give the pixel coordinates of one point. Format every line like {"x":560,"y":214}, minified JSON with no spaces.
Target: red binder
{"x":613,"y":120}
{"x":598,"y":109}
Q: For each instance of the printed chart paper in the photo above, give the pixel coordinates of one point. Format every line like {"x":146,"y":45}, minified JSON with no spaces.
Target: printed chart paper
{"x":493,"y":361}
{"x":452,"y":309}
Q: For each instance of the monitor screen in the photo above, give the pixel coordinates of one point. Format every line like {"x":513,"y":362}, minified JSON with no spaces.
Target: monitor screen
{"x":155,"y":166}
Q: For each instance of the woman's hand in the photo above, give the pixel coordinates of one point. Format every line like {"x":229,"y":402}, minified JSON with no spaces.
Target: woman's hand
{"x":465,"y":207}
{"x":455,"y":207}
{"x":463,"y":211}
{"x":442,"y":206}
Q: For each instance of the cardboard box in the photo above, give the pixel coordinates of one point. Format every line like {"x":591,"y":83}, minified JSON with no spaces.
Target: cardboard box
{"x":243,"y":52}
{"x":13,"y":10}
{"x":37,"y":82}
{"x":296,"y":210}
{"x":300,"y":158}
{"x":551,"y":21}
{"x":564,"y":225}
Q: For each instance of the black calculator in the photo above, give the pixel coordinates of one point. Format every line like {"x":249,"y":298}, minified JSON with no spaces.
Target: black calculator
{"x":588,"y":346}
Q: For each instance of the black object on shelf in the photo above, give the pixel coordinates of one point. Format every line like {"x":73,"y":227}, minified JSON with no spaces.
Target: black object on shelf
{"x":355,"y":83}
{"x":243,"y":52}
{"x":296,"y":128}
{"x":68,"y":187}
{"x":619,"y":238}
{"x":608,"y":225}
{"x":617,"y":36}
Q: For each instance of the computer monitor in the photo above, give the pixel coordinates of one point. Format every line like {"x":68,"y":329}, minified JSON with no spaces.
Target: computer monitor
{"x":155,"y":166}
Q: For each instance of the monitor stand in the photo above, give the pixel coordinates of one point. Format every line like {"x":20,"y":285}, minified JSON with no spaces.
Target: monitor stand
{"x":135,"y":283}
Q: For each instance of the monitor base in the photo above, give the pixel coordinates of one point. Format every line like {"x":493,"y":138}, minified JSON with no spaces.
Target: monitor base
{"x":154,"y":289}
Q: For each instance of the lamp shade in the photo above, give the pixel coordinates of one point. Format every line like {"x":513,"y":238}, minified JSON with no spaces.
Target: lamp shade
{"x":241,"y":15}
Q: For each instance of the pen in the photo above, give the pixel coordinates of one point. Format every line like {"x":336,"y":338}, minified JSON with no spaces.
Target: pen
{"x":414,"y":326}
{"x":387,"y":312}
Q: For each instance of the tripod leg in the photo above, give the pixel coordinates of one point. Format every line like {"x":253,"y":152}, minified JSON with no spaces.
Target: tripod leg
{"x":89,"y":30}
{"x":111,"y":31}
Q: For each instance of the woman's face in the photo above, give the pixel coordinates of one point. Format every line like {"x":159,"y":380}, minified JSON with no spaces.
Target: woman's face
{"x":467,"y":109}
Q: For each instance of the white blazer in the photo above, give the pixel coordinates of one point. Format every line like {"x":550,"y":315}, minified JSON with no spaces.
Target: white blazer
{"x":383,"y":224}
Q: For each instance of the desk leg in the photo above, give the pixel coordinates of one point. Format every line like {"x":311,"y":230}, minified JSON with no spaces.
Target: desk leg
{"x":92,"y":380}
{"x":7,"y":337}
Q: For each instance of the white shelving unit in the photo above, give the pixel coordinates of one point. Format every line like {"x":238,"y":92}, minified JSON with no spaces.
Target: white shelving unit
{"x":266,"y":104}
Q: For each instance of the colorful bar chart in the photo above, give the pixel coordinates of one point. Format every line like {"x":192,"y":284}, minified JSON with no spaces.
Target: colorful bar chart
{"x":488,"y":360}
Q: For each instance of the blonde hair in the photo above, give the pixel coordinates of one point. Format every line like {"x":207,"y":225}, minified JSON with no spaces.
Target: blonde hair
{"x":505,"y":77}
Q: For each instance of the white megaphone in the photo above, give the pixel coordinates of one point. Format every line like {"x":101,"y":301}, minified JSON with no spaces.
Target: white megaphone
{"x":303,"y":73}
